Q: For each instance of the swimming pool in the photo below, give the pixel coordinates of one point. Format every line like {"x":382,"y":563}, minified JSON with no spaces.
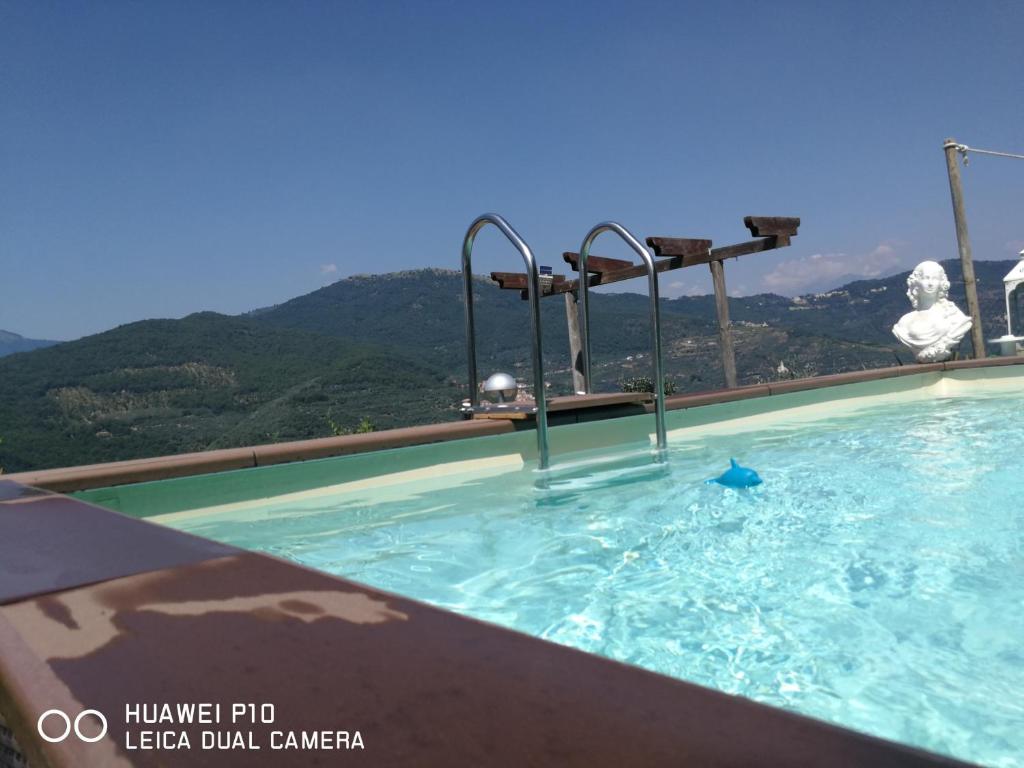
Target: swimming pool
{"x":840,"y":589}
{"x":874,"y":580}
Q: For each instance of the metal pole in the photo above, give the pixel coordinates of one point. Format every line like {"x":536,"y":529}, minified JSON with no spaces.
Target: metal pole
{"x":467,"y":289}
{"x":964,"y":245}
{"x":724,"y":333}
{"x":533,"y":294}
{"x":539,"y":394}
{"x":652,"y":287}
{"x":584,"y":302}
{"x":1009,"y":330}
{"x":659,"y":369}
{"x":572,"y":319}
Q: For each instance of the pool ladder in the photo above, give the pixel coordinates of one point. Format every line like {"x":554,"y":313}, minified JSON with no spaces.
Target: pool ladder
{"x":533,"y":296}
{"x":652,"y":288}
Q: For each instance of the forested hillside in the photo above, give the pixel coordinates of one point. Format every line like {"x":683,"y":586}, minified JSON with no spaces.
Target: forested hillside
{"x":207,"y":381}
{"x":422,"y":312}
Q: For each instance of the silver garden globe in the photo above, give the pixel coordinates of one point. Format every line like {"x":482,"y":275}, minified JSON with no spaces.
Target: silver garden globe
{"x":501,"y":387}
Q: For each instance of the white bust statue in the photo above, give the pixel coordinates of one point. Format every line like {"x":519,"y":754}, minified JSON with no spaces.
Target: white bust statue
{"x":934,"y":329}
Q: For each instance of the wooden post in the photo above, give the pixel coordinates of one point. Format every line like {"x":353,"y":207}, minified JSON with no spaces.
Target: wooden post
{"x":722,"y":305}
{"x":572,"y":318}
{"x":964,"y":244}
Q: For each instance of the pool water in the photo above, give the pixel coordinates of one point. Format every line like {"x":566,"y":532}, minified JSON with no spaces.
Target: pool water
{"x":875,"y":579}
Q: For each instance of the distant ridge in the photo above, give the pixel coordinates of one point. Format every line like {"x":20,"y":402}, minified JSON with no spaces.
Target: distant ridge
{"x":366,"y":277}
{"x":12,"y":342}
{"x":422,"y":311}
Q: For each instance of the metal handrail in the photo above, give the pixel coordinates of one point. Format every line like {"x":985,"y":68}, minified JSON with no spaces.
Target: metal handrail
{"x":533,"y":294}
{"x":652,"y":282}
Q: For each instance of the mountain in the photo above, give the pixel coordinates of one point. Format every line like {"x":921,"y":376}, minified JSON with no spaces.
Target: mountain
{"x":391,"y":349}
{"x":422,"y":313}
{"x":12,"y":342}
{"x":206,"y":381}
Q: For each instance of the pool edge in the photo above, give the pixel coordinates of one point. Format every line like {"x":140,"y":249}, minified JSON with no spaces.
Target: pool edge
{"x":513,"y":697}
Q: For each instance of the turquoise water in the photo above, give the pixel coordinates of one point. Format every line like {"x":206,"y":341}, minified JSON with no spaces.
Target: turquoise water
{"x":875,"y":580}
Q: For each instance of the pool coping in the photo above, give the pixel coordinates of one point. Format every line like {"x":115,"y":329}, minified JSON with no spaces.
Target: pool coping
{"x":94,"y":476}
{"x":425,"y":686}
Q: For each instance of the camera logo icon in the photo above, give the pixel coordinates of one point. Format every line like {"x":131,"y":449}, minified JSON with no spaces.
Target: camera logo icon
{"x":68,"y":727}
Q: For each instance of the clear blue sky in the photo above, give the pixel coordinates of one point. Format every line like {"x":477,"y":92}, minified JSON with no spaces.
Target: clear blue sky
{"x":162,"y":158}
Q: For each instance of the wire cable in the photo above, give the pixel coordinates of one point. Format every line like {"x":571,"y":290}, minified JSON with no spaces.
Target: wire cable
{"x":963,"y":149}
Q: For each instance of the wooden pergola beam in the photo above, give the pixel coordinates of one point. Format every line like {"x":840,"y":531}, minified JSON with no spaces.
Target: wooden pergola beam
{"x":773,"y":231}
{"x":673,"y":253}
{"x":670,"y":247}
{"x":517,"y":280}
{"x":767,"y":226}
{"x":595,"y":263}
{"x":618,"y":275}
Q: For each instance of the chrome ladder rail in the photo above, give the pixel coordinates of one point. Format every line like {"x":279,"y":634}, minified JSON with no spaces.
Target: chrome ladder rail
{"x":533,"y":294}
{"x":652,"y":283}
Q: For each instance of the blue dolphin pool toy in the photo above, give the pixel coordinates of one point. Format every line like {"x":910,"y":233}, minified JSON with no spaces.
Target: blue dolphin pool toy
{"x":737,"y":477}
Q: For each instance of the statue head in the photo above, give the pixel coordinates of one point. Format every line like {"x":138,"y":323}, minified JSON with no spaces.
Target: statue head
{"x":928,"y":278}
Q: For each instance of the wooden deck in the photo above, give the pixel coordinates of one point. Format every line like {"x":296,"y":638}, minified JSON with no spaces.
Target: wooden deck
{"x":566,"y":404}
